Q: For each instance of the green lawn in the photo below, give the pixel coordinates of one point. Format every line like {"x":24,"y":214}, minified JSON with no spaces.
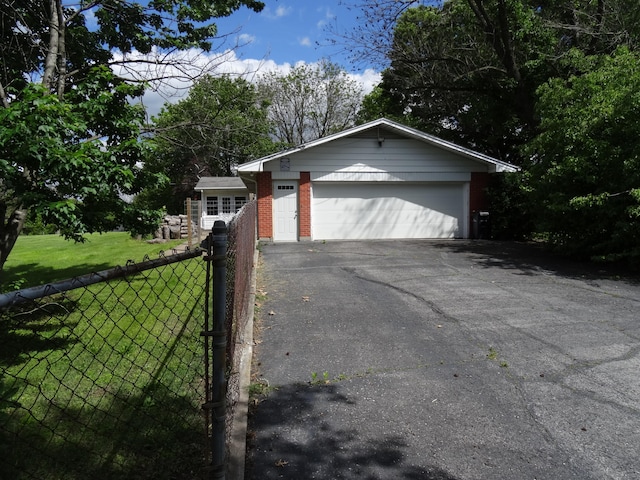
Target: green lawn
{"x":41,"y":259}
{"x":103,"y":381}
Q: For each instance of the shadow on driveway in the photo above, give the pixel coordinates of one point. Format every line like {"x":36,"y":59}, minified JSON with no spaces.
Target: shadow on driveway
{"x":534,"y":259}
{"x":297,"y":441}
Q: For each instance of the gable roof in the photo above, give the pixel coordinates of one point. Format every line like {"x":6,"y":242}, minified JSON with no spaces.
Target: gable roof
{"x":220,"y":183}
{"x":398,"y":128}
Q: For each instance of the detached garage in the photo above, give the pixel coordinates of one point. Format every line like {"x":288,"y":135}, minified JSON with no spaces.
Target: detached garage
{"x":380,"y":180}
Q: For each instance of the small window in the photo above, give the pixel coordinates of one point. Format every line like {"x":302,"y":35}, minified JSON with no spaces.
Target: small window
{"x":212,"y":205}
{"x":240,"y":201}
{"x":286,"y":187}
{"x":226,"y":205}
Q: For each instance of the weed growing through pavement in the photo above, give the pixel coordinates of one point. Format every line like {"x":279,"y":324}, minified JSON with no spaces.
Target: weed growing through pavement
{"x":260,"y":388}
{"x":493,"y":355}
{"x":326,"y":378}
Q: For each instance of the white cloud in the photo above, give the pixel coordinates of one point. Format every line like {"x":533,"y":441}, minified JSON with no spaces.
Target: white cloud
{"x":305,"y":42}
{"x":90,"y":19}
{"x":327,"y":12}
{"x":245,"y":39}
{"x":369,"y":79}
{"x":281,"y":11}
{"x":329,"y":17}
{"x":179,"y":70}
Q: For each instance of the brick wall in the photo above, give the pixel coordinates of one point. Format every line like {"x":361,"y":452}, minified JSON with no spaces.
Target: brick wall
{"x":304,"y":206}
{"x":477,"y":195}
{"x":265,"y":205}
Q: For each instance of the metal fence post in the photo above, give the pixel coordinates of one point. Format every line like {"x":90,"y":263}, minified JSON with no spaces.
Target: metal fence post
{"x":219,"y":344}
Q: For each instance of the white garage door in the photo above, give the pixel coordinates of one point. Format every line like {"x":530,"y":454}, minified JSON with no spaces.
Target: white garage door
{"x":378,"y":211}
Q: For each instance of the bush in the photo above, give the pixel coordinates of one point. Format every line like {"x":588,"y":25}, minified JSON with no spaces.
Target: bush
{"x":35,"y":225}
{"x":510,"y":207}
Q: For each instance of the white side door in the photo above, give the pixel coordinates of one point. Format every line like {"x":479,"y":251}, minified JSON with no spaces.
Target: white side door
{"x":285,"y":211}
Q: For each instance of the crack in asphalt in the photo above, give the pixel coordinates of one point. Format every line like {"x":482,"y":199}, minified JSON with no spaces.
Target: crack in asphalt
{"x":429,"y":303}
{"x":519,"y":383}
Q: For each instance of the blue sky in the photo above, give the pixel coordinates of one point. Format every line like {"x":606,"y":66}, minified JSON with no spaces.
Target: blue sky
{"x":284,"y":34}
{"x":290,"y":31}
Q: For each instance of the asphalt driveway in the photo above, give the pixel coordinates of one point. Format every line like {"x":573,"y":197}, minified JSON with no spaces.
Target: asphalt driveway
{"x":444,"y":360}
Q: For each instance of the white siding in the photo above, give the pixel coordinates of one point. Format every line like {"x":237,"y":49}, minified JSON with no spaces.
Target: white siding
{"x":364,"y":155}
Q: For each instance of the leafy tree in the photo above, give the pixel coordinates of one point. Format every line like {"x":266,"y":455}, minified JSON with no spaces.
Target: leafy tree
{"x":377,"y":104}
{"x":219,"y":125}
{"x":310,"y":102}
{"x":467,"y":70}
{"x":551,"y":85}
{"x":586,"y":159}
{"x":593,"y":27}
{"x":69,"y":138}
{"x":48,"y":161}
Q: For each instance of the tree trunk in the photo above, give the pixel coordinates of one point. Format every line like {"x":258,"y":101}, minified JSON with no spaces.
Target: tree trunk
{"x":51,"y":61}
{"x":61,"y":58}
{"x":9,"y":233}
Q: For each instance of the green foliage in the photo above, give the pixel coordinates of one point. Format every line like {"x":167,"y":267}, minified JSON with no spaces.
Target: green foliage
{"x":511,"y":208}
{"x":87,"y":154}
{"x":220,"y":125}
{"x":141,"y":221}
{"x":450,"y":77}
{"x":382,"y":103}
{"x":34,"y":225}
{"x":586,"y":159}
{"x":70,"y":139}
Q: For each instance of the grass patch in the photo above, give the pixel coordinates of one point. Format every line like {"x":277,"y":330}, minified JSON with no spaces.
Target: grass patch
{"x":41,"y":259}
{"x":106,"y":381}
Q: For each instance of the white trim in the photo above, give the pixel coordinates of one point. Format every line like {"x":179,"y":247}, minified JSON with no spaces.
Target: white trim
{"x":466,"y":215}
{"x":286,"y":235}
{"x":390,"y":177}
{"x":206,"y":220}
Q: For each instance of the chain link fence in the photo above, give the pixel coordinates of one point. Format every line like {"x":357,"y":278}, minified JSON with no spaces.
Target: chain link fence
{"x":241,"y":252}
{"x":102,"y":376}
{"x":106,"y":375}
